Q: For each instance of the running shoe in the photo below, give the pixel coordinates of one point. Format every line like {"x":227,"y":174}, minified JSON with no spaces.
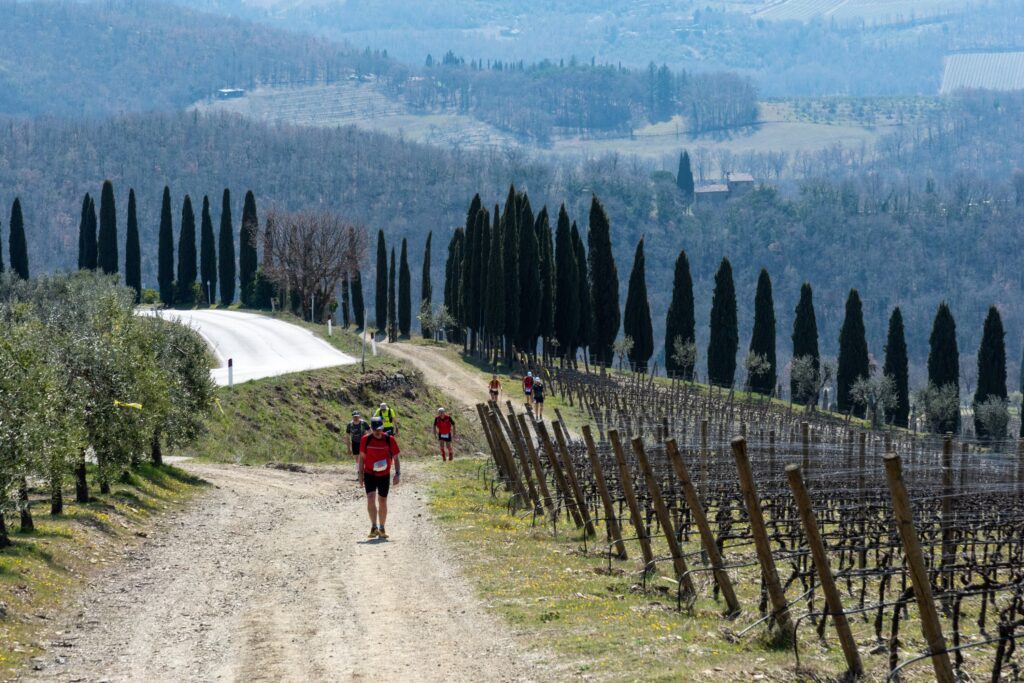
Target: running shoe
{"x":373,"y":532}
{"x":381,"y":533}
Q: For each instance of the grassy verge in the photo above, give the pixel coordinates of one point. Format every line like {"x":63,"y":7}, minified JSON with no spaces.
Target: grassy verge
{"x":603,"y":624}
{"x":301,"y":417}
{"x":40,"y":570}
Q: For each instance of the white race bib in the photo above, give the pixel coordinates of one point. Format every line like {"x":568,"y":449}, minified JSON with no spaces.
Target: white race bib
{"x":380,"y":465}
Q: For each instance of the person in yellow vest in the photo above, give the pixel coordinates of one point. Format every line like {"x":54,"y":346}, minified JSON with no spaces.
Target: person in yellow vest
{"x":388,"y":417}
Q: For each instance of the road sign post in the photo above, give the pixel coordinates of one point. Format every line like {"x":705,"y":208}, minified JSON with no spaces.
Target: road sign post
{"x":231,"y":373}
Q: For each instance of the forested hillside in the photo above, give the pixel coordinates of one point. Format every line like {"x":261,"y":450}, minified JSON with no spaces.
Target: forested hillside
{"x":899,"y":239}
{"x":894,"y":48}
{"x":94,"y":59}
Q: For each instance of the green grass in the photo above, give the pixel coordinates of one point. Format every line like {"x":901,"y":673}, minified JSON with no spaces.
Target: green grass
{"x":40,"y":570}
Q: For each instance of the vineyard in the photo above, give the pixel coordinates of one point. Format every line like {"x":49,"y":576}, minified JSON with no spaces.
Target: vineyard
{"x":983,"y":70}
{"x":803,"y":530}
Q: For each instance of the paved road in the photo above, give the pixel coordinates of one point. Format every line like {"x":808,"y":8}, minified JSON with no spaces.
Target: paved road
{"x":259,"y":346}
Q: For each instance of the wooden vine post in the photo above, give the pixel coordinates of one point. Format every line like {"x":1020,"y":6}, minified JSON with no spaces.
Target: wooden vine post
{"x":574,"y":482}
{"x":542,"y":485}
{"x":664,"y":519}
{"x":931,"y":628}
{"x":780,"y":609}
{"x":626,"y":478}
{"x":821,"y":564}
{"x":707,"y":538}
{"x":560,"y":481}
{"x":611,"y":521}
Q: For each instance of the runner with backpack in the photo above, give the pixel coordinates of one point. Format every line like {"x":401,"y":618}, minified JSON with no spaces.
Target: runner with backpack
{"x":388,"y":418}
{"x":528,"y":387}
{"x":378,"y":454}
{"x":444,"y":429}
{"x":538,"y":399}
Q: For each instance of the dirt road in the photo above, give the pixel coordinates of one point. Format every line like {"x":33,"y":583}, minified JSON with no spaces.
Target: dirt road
{"x":455,"y":378}
{"x":269,"y":577}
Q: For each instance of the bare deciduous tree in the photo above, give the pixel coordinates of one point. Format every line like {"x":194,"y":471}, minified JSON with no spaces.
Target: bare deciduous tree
{"x":309,"y":253}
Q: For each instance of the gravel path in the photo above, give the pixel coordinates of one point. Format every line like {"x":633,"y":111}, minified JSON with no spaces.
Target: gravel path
{"x":269,"y":577}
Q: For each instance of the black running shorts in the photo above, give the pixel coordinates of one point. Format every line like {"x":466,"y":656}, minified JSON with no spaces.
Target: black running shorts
{"x":377,"y":483}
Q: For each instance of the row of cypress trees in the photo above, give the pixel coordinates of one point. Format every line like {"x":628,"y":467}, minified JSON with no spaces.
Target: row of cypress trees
{"x":16,"y":243}
{"x":506,"y":285}
{"x":213,"y":265}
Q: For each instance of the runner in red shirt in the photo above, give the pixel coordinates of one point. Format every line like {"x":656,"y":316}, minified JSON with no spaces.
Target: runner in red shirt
{"x":528,"y":387}
{"x":444,"y":428}
{"x":378,"y":453}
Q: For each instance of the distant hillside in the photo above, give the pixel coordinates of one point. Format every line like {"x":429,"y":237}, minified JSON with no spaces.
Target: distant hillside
{"x":911,"y":229}
{"x":98,"y":58}
{"x":789,"y":48}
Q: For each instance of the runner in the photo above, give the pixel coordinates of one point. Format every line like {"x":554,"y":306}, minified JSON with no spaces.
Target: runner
{"x":494,"y":387}
{"x":388,"y":418}
{"x":538,"y":399}
{"x":444,"y":429}
{"x":528,"y":387}
{"x":356,"y":429}
{"x":378,"y":452}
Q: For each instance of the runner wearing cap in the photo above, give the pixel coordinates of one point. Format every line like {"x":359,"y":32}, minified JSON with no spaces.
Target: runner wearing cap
{"x":444,"y":429}
{"x":538,"y":399}
{"x":356,"y":429}
{"x":378,"y":453}
{"x":388,"y":418}
{"x":528,"y":387}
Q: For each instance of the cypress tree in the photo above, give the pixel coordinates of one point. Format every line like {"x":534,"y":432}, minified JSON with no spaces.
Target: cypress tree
{"x":381,"y":292}
{"x":248,"y":261}
{"x":106,"y":245}
{"x":226,"y":251}
{"x":132,"y":250}
{"x":944,"y":359}
{"x":762,"y":340}
{"x":724,"y":340}
{"x":186,"y":256}
{"x":510,"y":256}
{"x":392,"y":328}
{"x":567,"y":296}
{"x":87,"y":235}
{"x":426,"y":290}
{"x":991,"y":366}
{"x":684,"y":178}
{"x":680,"y":323}
{"x":480,"y":264}
{"x":805,"y":341}
{"x":453,"y":282}
{"x":345,"y":297}
{"x":358,"y":307}
{"x":495,"y":285}
{"x":468,"y":290}
{"x":604,"y":285}
{"x":404,"y":293}
{"x":637,"y":318}
{"x":207,"y":255}
{"x":896,"y":367}
{"x":165,"y":255}
{"x":18,"y":246}
{"x":530,"y":285}
{"x":546,"y":324}
{"x":585,"y":319}
{"x":852,"y":363}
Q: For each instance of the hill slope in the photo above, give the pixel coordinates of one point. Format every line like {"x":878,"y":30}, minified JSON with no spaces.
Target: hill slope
{"x":98,"y":58}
